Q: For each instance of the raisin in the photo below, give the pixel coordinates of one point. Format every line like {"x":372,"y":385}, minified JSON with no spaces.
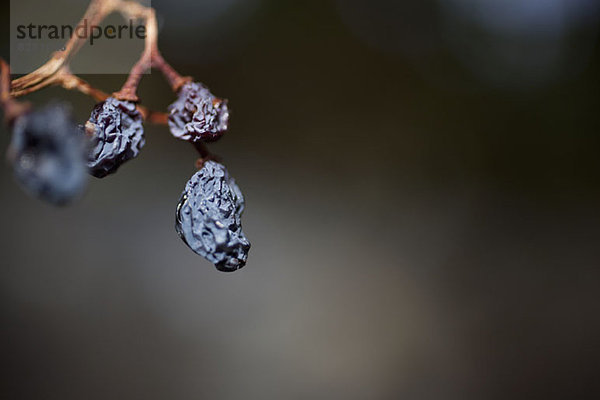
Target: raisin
{"x":197,"y":115}
{"x":48,"y":154}
{"x":117,"y":135}
{"x":209,"y":218}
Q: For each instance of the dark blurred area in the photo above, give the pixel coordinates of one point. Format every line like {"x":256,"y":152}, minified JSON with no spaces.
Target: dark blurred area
{"x":423,"y":199}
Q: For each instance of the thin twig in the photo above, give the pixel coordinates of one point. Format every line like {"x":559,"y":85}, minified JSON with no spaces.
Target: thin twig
{"x":73,"y":82}
{"x":205,"y":155}
{"x":150,"y":57}
{"x":12,"y":108}
{"x":96,"y":12}
{"x":56,"y":70}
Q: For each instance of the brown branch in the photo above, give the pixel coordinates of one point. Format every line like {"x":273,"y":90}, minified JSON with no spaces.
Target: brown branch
{"x":175,"y":80}
{"x":70,"y":81}
{"x":12,"y":108}
{"x":4,"y":82}
{"x":73,"y":82}
{"x":97,"y":11}
{"x":205,"y":155}
{"x":150,"y":57}
{"x":56,"y":70}
{"x":129,"y":89}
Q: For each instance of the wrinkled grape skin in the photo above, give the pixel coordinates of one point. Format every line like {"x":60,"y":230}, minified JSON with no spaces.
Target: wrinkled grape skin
{"x":117,"y":135}
{"x":208,"y":218}
{"x":197,"y":115}
{"x":48,"y":154}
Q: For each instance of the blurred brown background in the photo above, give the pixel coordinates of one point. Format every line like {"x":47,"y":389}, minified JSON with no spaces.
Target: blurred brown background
{"x":423,"y":200}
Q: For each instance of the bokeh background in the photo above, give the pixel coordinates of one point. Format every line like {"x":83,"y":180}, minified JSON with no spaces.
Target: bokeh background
{"x":423,"y":199}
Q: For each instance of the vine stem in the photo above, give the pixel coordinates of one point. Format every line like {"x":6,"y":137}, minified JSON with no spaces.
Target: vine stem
{"x":72,"y":82}
{"x":95,"y":13}
{"x":56,"y":71}
{"x":12,"y":108}
{"x":204,"y":154}
{"x":151,"y":56}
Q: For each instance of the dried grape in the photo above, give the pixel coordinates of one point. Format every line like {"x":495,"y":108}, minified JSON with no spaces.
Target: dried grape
{"x":209,"y":218}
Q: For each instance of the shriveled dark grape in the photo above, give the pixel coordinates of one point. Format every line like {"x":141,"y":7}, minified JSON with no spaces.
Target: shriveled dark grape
{"x":209,"y":218}
{"x":117,"y":135}
{"x":197,"y":115}
{"x":48,"y":154}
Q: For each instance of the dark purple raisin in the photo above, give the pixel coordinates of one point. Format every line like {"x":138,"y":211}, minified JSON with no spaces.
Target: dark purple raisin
{"x":209,"y":218}
{"x":197,"y":115}
{"x":48,"y":154}
{"x":117,"y":135}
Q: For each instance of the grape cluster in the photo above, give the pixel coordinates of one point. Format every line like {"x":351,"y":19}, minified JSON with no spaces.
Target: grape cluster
{"x":209,"y":218}
{"x":48,"y":154}
{"x":197,"y":115}
{"x":117,"y":135}
{"x":52,"y":158}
